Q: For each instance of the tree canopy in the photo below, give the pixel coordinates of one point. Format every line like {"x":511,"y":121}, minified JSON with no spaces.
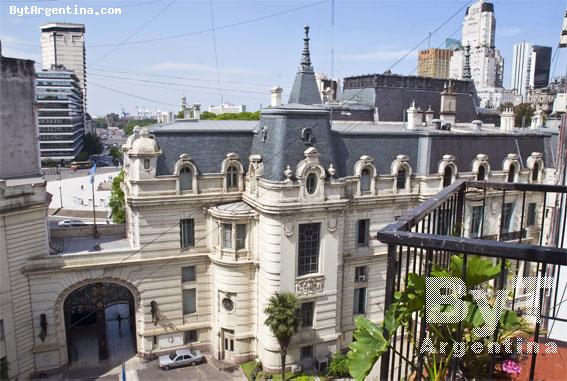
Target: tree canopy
{"x":128,"y":127}
{"x":116,"y":202}
{"x":231,"y":116}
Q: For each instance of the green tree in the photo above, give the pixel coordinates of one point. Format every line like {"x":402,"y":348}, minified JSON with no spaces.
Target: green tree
{"x":128,"y":127}
{"x":523,"y":113}
{"x":92,"y":144}
{"x":231,"y":116}
{"x":283,"y":320}
{"x":116,"y":202}
{"x":180,"y":115}
{"x":100,"y":123}
{"x":116,"y":154}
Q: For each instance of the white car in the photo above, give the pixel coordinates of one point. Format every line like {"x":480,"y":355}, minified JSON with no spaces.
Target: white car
{"x":181,"y":357}
{"x":69,"y":223}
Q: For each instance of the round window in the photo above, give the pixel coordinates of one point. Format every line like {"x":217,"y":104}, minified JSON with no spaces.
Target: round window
{"x":311,"y":183}
{"x":228,"y":304}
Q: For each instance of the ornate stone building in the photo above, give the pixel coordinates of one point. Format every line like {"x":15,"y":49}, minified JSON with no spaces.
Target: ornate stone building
{"x":221,"y":215}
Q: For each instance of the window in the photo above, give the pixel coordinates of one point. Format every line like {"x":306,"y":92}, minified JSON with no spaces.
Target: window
{"x":444,"y":221}
{"x":185,"y":179}
{"x":401,"y":178}
{"x":146,"y":163}
{"x":190,"y":336}
{"x":362,"y":232}
{"x":240,"y":236}
{"x":531,"y":218}
{"x":365,"y":180}
{"x":447,"y":176}
{"x":307,"y":310}
{"x":227,"y":236}
{"x":360,"y":274}
{"x":535,"y":172}
{"x":308,"y":249}
{"x":188,"y":274}
{"x":511,"y":173}
{"x":306,"y":352}
{"x":189,"y":301}
{"x":360,"y":301}
{"x":232,"y":177}
{"x":476,"y":220}
{"x":187,"y":229}
{"x":481,"y":175}
{"x":311,"y":183}
{"x":507,"y":216}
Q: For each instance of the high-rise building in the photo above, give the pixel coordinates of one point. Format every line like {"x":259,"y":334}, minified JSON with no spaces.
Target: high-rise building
{"x":541,"y":65}
{"x":63,"y":47}
{"x":486,"y":62}
{"x":530,"y":67}
{"x":60,"y":114}
{"x":434,"y":63}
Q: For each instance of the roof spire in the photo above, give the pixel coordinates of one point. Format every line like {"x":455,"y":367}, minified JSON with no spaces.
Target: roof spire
{"x":467,"y":65}
{"x":306,"y":56}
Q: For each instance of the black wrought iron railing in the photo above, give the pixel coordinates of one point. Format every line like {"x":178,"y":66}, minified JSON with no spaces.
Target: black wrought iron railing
{"x":519,"y":227}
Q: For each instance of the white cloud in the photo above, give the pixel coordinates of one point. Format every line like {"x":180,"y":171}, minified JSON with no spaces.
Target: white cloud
{"x":508,"y":32}
{"x":187,"y":66}
{"x":378,"y":55}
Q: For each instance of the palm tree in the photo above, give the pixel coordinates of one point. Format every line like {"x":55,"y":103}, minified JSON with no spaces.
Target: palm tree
{"x":284,"y":320}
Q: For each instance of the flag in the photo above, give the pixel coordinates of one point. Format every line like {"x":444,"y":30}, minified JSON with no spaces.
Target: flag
{"x":92,"y":172}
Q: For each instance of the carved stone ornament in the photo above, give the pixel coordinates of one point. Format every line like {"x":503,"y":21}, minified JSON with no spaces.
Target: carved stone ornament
{"x":288,"y":230}
{"x":332,"y":225}
{"x":309,"y":286}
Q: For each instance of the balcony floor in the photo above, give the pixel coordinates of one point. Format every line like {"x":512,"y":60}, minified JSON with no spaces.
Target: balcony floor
{"x":549,"y":366}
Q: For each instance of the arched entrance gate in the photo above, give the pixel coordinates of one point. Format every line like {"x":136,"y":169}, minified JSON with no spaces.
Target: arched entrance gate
{"x":102,"y":312}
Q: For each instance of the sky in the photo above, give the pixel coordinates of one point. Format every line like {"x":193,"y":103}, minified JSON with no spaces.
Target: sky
{"x":259,"y":43}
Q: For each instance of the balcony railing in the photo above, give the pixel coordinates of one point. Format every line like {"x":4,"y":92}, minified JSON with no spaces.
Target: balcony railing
{"x":522,"y":238}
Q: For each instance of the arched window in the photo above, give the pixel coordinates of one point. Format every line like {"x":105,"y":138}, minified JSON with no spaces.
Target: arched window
{"x":511,"y":173}
{"x":365,"y":180}
{"x":311,"y":183}
{"x":401,"y":179}
{"x":481,"y":175}
{"x":185,"y":179}
{"x":447,"y":176}
{"x":535,"y":172}
{"x":232,"y":177}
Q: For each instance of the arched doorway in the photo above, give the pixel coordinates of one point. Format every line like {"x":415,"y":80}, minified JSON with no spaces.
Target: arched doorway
{"x":100,"y":323}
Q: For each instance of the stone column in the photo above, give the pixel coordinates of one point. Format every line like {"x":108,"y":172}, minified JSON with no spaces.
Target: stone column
{"x":101,"y":330}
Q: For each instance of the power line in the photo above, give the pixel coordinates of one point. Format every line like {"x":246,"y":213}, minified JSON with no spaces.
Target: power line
{"x":131,"y":95}
{"x":215,"y":49}
{"x":179,"y":84}
{"x":429,"y":35}
{"x":133,"y":34}
{"x":227,"y":26}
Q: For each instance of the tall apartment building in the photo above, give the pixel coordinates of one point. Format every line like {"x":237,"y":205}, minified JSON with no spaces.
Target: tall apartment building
{"x":530,"y":67}
{"x":60,"y":114}
{"x":434,"y":63}
{"x":63,"y":46}
{"x":486,"y":62}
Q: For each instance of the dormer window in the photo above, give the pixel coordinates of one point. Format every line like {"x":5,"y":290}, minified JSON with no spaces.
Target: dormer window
{"x":232,"y":177}
{"x":447,"y":176}
{"x":535,"y":172}
{"x":311,"y":183}
{"x":185,"y":179}
{"x":365,"y":180}
{"x":481,"y":175}
{"x":146,"y":163}
{"x":401,"y":178}
{"x":511,"y":173}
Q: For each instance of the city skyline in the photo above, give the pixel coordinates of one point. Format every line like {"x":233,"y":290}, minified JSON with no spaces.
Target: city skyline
{"x":120,"y":65}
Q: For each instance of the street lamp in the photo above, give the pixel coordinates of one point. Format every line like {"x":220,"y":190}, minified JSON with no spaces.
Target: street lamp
{"x":60,"y":193}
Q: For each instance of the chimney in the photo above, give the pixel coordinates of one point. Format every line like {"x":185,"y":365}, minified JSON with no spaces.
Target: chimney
{"x":507,"y":120}
{"x":448,"y":105}
{"x":429,"y":115}
{"x":276,"y":99}
{"x":196,"y":111}
{"x":414,"y":117}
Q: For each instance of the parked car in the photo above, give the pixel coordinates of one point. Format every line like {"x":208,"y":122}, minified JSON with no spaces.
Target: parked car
{"x":181,"y":357}
{"x":69,"y":223}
